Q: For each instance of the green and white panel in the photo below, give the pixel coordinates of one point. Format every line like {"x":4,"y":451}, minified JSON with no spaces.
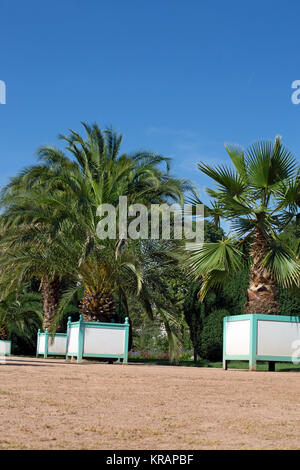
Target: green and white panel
{"x":261,"y":337}
{"x":237,"y":338}
{"x":277,"y":338}
{"x":73,"y":340}
{"x":104,"y":341}
{"x":5,"y":348}
{"x":58,"y":346}
{"x":41,"y":344}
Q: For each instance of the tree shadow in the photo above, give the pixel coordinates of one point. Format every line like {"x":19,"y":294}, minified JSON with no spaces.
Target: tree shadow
{"x":11,"y":364}
{"x":30,"y":362}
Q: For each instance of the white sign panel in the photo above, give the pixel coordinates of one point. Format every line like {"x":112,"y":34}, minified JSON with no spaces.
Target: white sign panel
{"x":238,"y":338}
{"x":103,"y":341}
{"x":275,"y":338}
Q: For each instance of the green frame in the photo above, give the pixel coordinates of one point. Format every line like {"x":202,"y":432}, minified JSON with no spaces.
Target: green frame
{"x":46,"y":351}
{"x":82,"y":325}
{"x":7,"y":341}
{"x":253,"y":357}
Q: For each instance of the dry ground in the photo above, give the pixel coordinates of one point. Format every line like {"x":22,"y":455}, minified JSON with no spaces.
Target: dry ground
{"x":50,"y":404}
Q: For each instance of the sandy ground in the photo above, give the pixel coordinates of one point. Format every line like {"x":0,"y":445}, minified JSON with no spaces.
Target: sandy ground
{"x":51,"y":404}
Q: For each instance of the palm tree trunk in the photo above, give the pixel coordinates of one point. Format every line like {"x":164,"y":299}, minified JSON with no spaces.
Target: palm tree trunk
{"x":51,"y":294}
{"x":261,"y":296}
{"x":98,"y":306}
{"x":4,"y":333}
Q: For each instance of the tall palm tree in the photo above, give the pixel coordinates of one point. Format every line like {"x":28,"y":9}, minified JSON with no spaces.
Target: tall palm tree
{"x":57,"y":217}
{"x":252,"y":195}
{"x":99,"y":174}
{"x":29,"y":227}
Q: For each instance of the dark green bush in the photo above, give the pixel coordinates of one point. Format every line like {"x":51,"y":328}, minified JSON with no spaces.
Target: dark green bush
{"x":289,"y":302}
{"x":232,"y":297}
{"x":212,"y":335}
{"x":193,"y":313}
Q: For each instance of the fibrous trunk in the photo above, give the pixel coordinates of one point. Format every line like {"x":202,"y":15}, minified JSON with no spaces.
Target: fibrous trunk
{"x":97,"y":306}
{"x":51,"y":294}
{"x":4,"y":333}
{"x":261,"y":296}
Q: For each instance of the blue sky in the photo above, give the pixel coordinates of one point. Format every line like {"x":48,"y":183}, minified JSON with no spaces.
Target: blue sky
{"x":176,"y":77}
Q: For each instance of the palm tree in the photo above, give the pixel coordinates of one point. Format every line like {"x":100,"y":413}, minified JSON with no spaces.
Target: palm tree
{"x":255,"y":196}
{"x":28,"y":247}
{"x":56,"y":216}
{"x":30,"y":254}
{"x":98,"y":174}
{"x":20,"y":315}
{"x":288,"y":198}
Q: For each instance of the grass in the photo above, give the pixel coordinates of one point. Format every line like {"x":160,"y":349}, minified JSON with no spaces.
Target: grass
{"x":280,"y":366}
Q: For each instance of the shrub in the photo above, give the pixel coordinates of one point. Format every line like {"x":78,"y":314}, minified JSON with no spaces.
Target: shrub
{"x":212,"y":335}
{"x":193,"y":313}
{"x":289,"y":302}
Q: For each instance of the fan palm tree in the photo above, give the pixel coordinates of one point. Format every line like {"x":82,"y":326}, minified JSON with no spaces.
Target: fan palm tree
{"x":259,"y":195}
{"x":288,"y":198}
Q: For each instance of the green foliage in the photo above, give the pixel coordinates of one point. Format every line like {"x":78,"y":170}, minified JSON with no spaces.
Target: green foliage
{"x":194,"y":310}
{"x":150,"y":339}
{"x":289,"y":299}
{"x":162,"y":296}
{"x":203,"y":319}
{"x":212,"y":335}
{"x":259,"y":195}
{"x":233,"y":295}
{"x":219,"y":261}
{"x":289,"y":302}
{"x":212,"y":233}
{"x":50,"y":223}
{"x":20,"y":318}
{"x":194,"y":315}
{"x":231,"y":298}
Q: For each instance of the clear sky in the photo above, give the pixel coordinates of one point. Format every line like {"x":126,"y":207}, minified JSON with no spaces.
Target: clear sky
{"x":176,"y":77}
